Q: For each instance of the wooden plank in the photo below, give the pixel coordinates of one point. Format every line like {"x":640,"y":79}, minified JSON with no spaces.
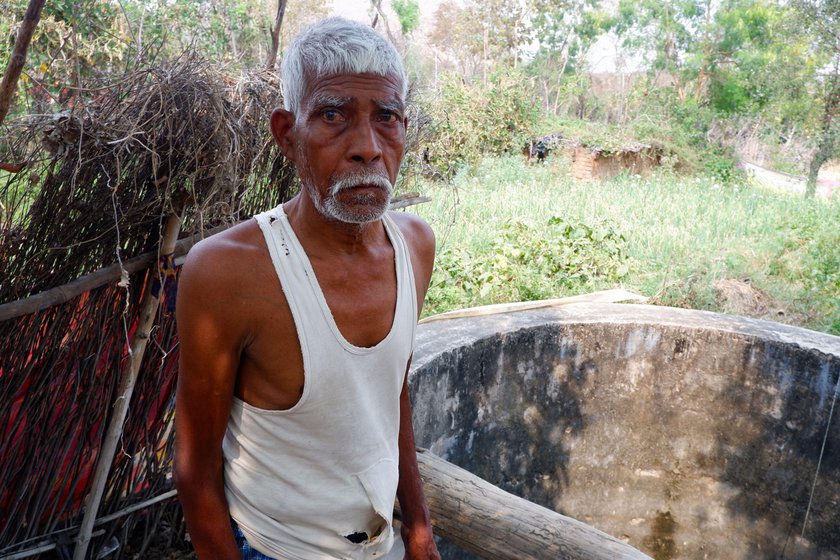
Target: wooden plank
{"x":604,"y":296}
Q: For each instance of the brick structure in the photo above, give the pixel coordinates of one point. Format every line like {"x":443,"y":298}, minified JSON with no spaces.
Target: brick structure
{"x":586,"y":163}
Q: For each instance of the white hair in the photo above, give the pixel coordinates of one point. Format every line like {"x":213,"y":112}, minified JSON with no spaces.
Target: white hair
{"x":336,"y":46}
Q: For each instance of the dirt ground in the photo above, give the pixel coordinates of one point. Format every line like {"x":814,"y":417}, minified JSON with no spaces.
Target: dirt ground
{"x":740,"y":297}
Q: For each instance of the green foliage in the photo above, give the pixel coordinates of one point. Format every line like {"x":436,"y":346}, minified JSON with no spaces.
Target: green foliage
{"x":728,"y":94}
{"x":73,"y":41}
{"x":681,"y":127}
{"x":668,"y":31}
{"x":524,"y":263}
{"x":761,"y":63}
{"x":79,"y":41}
{"x":472,"y":120}
{"x":808,"y":257}
{"x":408,"y":12}
{"x":502,"y":28}
{"x":225,"y":30}
{"x":565,"y":29}
{"x":719,"y":163}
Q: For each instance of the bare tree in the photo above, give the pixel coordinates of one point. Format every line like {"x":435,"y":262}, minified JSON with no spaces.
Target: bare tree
{"x":275,"y":35}
{"x":377,"y":6}
{"x":18,"y":58}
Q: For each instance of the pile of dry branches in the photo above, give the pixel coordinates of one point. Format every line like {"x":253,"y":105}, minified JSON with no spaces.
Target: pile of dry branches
{"x":95,"y":179}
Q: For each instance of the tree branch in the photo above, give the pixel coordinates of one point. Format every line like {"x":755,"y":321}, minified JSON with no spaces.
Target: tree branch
{"x":275,"y":35}
{"x":18,"y":58}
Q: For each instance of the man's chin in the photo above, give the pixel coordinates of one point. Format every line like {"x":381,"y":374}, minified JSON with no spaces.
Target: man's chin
{"x":356,"y":213}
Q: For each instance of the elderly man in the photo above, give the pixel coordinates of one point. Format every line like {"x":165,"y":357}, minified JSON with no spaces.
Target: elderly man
{"x":296,"y":330}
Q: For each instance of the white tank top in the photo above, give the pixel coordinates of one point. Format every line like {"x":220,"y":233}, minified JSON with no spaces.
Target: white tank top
{"x":300,"y":481}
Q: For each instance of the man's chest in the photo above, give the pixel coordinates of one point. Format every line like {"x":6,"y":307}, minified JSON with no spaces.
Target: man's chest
{"x":361,"y":300}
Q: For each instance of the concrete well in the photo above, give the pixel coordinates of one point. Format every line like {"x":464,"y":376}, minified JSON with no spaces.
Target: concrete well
{"x":688,"y":434}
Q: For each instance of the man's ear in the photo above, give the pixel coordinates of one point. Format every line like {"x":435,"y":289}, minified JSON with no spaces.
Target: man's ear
{"x":282,"y":128}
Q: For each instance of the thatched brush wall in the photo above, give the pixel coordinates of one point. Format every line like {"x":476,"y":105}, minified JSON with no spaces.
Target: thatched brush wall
{"x":95,"y":184}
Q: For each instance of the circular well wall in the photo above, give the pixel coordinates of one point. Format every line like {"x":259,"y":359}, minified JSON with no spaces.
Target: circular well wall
{"x":688,"y":434}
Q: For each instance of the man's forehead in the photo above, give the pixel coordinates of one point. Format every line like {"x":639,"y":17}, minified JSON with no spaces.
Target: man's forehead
{"x":349,"y":87}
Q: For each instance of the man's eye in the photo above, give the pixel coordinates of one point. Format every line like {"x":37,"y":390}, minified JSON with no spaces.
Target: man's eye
{"x":388,"y":116}
{"x":331,"y":115}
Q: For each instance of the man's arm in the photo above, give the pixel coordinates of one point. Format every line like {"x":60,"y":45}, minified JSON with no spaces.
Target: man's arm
{"x":416,"y":523}
{"x":207,"y":371}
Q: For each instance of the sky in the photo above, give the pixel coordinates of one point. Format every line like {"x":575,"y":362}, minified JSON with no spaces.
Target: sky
{"x":602,"y":57}
{"x":359,"y":9}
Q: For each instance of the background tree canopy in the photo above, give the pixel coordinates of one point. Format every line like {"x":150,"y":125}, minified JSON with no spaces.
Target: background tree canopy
{"x":720,"y":79}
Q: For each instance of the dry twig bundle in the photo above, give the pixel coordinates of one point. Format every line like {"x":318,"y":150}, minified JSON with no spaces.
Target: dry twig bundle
{"x":97,"y":178}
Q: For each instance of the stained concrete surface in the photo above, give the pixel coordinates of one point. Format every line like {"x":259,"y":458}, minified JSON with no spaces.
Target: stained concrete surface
{"x":688,"y":434}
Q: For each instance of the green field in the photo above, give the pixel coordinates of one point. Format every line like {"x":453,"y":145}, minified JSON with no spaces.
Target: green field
{"x":513,"y":232}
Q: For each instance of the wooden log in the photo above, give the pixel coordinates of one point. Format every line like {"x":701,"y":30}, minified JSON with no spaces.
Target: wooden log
{"x":485,"y":520}
{"x":406,"y":201}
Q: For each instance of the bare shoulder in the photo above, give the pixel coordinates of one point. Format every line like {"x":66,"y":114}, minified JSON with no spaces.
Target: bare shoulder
{"x":220,"y":266}
{"x":215,"y":258}
{"x":420,"y":240}
{"x":418,"y":234}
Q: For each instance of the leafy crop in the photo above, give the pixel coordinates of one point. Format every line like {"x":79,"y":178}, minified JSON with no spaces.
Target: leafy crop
{"x":524,"y":263}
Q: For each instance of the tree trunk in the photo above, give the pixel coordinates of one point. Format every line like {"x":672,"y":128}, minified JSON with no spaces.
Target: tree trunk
{"x":707,"y":55}
{"x":275,"y":35}
{"x":813,"y":171}
{"x":828,"y":140}
{"x":18,"y":58}
{"x":377,"y":5}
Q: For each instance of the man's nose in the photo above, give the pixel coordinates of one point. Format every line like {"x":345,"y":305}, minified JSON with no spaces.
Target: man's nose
{"x":365,"y":144}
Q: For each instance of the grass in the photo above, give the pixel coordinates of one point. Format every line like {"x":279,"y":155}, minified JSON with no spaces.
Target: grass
{"x":676,"y":236}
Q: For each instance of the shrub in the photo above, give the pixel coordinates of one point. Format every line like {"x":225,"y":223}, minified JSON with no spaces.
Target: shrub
{"x":526,"y":263}
{"x":470,"y":120}
{"x":720,"y":164}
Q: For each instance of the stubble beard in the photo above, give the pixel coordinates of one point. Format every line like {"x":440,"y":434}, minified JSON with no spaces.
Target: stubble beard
{"x":362,"y":207}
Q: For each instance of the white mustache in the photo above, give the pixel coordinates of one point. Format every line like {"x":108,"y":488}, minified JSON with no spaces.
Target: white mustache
{"x":352,"y":180}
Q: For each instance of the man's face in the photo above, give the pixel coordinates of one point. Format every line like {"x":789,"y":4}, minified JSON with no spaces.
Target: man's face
{"x":348,"y":143}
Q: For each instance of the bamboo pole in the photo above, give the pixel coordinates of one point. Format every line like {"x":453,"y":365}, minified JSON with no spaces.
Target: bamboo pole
{"x":111,"y":273}
{"x":491,"y":523}
{"x":127,"y":381}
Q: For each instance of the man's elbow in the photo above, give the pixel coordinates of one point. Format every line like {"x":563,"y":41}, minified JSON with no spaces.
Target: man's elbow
{"x":194,"y":475}
{"x":184,"y":474}
{"x":179,"y":476}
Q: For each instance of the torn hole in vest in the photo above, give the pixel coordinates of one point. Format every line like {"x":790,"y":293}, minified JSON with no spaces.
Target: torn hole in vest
{"x":356,"y":538}
{"x":362,"y":536}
